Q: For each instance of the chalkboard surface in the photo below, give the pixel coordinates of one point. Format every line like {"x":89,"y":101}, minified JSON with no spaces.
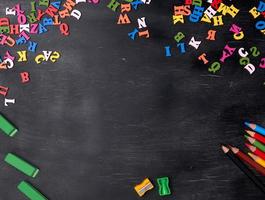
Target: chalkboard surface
{"x":113,"y":111}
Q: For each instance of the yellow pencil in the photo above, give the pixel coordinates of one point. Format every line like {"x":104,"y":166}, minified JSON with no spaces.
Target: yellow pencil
{"x":257,"y":159}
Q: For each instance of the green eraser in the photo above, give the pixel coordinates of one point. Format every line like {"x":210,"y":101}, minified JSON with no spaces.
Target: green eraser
{"x":29,"y":191}
{"x":7,"y":127}
{"x":21,"y":165}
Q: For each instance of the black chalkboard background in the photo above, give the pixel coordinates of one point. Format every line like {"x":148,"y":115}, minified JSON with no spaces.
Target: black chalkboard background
{"x":113,"y":111}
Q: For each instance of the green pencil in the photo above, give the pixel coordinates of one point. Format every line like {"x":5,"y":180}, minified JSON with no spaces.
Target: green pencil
{"x":256,"y":143}
{"x":29,"y":191}
{"x":21,"y":165}
{"x":7,"y":127}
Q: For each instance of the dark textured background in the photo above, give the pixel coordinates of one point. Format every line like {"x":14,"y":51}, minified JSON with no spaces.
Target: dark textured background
{"x":113,"y":111}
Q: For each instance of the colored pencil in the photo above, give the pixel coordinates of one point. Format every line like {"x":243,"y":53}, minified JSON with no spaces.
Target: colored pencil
{"x":245,"y":158}
{"x":256,"y":128}
{"x":256,"y":143}
{"x":256,"y":151}
{"x":257,"y":159}
{"x":244,"y":168}
{"x":256,"y":136}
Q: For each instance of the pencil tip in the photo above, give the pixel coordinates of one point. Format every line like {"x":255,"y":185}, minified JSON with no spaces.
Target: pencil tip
{"x":251,"y":155}
{"x":250,"y":139}
{"x":251,"y":147}
{"x":248,"y":145}
{"x":224,"y":148}
{"x":251,"y":133}
{"x":234,"y":149}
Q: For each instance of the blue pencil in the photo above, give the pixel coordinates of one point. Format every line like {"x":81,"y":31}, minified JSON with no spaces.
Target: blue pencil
{"x":256,"y":128}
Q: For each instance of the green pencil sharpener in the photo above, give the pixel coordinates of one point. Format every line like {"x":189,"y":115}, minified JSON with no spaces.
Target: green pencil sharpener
{"x":163,"y":186}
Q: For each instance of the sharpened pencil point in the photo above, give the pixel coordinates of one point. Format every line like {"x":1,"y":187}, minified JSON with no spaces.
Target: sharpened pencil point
{"x":234,"y":149}
{"x":251,"y":133}
{"x":250,"y":147}
{"x":247,"y":123}
{"x":250,"y":139}
{"x":253,"y":156}
{"x":224,"y":148}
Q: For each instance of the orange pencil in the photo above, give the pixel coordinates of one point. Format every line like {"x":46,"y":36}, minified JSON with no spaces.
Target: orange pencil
{"x":257,"y":159}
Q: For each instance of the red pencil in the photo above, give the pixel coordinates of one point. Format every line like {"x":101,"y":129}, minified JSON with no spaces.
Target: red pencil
{"x":256,"y":151}
{"x":256,"y":136}
{"x":248,"y":160}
